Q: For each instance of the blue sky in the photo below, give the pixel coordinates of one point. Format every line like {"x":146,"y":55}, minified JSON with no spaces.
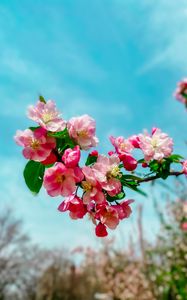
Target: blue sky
{"x":117,"y":60}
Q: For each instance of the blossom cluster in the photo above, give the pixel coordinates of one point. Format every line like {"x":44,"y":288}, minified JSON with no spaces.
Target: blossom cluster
{"x":96,"y":189}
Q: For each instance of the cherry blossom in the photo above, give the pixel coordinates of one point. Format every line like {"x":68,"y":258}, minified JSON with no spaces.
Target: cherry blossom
{"x":82,"y":130}
{"x":100,"y":230}
{"x":98,"y":188}
{"x":181,"y":91}
{"x":71,"y":157}
{"x":121,"y":144}
{"x":107,"y":172}
{"x":156,"y":146}
{"x":123,"y":209}
{"x":60,"y":180}
{"x":184,"y":165}
{"x":47,"y":116}
{"x":75,"y":206}
{"x":108,"y":215}
{"x":37,"y":145}
{"x":92,"y":188}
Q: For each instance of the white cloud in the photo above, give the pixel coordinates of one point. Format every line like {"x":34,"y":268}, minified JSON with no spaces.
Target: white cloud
{"x":166,"y":36}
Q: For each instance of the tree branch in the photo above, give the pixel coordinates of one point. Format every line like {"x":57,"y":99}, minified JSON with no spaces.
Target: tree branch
{"x":151,"y":178}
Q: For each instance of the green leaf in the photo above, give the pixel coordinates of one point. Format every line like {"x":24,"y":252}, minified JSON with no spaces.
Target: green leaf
{"x":90,"y":160}
{"x":33,"y":175}
{"x":63,"y":141}
{"x":154,"y":165}
{"x":139,"y":191}
{"x":120,"y":196}
{"x":42,"y":99}
{"x":175,"y":158}
{"x":140,"y":161}
{"x":133,"y":186}
{"x":130,"y":176}
{"x":59,"y":134}
{"x":34,"y":128}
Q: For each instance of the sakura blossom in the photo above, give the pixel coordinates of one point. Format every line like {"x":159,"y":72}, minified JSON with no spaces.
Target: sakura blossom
{"x":181,"y":91}
{"x":60,"y":180}
{"x":107,"y":172}
{"x":37,"y":145}
{"x":100,"y":230}
{"x":156,"y":146}
{"x":47,"y":116}
{"x":75,"y":206}
{"x":97,"y":188}
{"x":130,"y":163}
{"x":121,"y":144}
{"x":71,"y":157}
{"x":82,"y":131}
{"x":108,"y":215}
{"x":123,"y":209}
{"x":134,"y":140}
{"x":91,"y":187}
{"x":184,"y":165}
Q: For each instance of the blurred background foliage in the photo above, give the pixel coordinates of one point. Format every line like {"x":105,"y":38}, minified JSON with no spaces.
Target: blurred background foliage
{"x":143,"y":270}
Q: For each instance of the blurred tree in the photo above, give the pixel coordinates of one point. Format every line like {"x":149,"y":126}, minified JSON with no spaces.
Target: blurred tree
{"x":166,"y":261}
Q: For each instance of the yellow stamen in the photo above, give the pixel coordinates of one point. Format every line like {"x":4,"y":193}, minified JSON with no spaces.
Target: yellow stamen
{"x":154,"y":143}
{"x":83,"y":134}
{"x":86,"y":186}
{"x":35,"y":144}
{"x":123,"y":146}
{"x":47,"y":117}
{"x":114,"y":172}
{"x":59,"y":178}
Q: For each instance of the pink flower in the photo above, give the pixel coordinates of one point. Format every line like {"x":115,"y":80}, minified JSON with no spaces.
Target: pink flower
{"x":82,"y":130}
{"x":75,"y":205}
{"x":37,"y":145}
{"x":71,"y":157}
{"x":184,"y":226}
{"x":91,"y":187}
{"x":181,"y":91}
{"x":60,"y":180}
{"x":123,"y":209}
{"x":129,"y":162}
{"x":121,"y":144}
{"x":134,"y":139}
{"x":47,"y":116}
{"x":184,"y":165}
{"x":100,"y":230}
{"x":107,"y":172}
{"x":108,"y":215}
{"x":156,"y":146}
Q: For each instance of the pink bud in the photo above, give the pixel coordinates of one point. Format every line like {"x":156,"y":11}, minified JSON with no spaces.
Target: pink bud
{"x":154,"y":129}
{"x":71,"y":157}
{"x":100,"y":230}
{"x":110,"y":153}
{"x":94,"y":153}
{"x":129,"y":162}
{"x":135,"y":141}
{"x":144,"y":165}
